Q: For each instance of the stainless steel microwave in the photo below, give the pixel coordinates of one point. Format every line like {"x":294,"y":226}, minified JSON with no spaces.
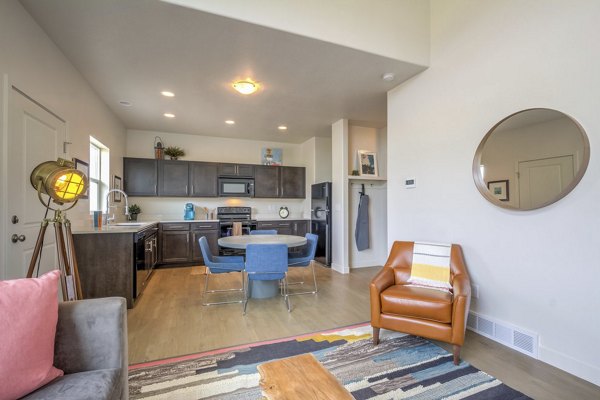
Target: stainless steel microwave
{"x":236,"y":187}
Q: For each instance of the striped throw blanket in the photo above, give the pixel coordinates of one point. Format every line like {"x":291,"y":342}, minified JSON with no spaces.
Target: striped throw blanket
{"x":431,"y":265}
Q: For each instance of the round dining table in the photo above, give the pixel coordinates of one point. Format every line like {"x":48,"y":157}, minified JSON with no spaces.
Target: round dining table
{"x":240,"y":242}
{"x":261,"y":289}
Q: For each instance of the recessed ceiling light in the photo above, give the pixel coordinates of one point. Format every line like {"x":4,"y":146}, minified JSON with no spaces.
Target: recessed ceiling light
{"x":230,"y":122}
{"x":388,"y":76}
{"x":282,"y":128}
{"x":169,"y":115}
{"x":167,"y":94}
{"x":125,"y":103}
{"x":246,"y":86}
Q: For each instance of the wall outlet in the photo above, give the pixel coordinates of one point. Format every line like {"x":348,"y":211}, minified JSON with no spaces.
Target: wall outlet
{"x":474,"y":291}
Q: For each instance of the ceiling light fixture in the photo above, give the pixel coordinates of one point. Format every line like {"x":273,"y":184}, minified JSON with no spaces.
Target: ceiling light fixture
{"x":282,"y":128}
{"x":169,"y":115}
{"x":388,"y":76}
{"x":230,"y":122}
{"x":167,"y":94}
{"x":246,"y":86}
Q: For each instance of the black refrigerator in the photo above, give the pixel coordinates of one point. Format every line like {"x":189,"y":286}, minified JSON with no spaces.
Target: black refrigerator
{"x":320,"y":220}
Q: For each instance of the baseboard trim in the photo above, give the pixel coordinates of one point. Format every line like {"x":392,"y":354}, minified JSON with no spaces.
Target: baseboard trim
{"x":340,"y":268}
{"x":567,"y":363}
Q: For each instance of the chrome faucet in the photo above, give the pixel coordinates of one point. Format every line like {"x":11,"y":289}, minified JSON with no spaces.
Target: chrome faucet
{"x":108,"y":218}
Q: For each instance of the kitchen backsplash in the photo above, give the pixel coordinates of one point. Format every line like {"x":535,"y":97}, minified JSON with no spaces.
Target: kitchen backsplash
{"x":161,"y":208}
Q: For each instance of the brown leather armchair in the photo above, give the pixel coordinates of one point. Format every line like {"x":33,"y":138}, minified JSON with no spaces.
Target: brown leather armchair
{"x":429,"y":313}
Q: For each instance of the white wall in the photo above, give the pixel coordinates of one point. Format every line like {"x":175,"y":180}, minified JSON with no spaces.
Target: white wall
{"x":322,"y":159}
{"x":397,"y":29}
{"x":538,"y":269}
{"x":32,"y":63}
{"x":211,"y":148}
{"x":339,"y":198}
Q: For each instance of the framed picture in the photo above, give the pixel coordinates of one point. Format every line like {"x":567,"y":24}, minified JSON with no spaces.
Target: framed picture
{"x":367,"y":163}
{"x":271,"y":156}
{"x":117,"y":185}
{"x":85,"y":168}
{"x":499,"y":189}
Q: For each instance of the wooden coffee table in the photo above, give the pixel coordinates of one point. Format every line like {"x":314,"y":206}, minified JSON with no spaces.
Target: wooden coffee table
{"x":300,"y":377}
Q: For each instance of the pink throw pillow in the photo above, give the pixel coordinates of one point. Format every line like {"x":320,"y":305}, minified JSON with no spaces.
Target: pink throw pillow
{"x":28,"y":317}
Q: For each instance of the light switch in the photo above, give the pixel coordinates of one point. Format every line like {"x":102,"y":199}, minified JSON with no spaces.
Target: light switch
{"x":410,"y":183}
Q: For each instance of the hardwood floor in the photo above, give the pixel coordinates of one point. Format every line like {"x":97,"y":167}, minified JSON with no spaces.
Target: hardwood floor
{"x":169,"y":320}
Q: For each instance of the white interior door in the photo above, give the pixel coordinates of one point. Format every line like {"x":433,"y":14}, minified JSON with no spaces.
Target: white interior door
{"x":540,"y":180}
{"x":34,"y":135}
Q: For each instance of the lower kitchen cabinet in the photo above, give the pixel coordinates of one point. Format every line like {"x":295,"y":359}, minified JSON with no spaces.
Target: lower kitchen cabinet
{"x":291,"y":227}
{"x":211,"y":231}
{"x":174,"y":246}
{"x":179,"y":241}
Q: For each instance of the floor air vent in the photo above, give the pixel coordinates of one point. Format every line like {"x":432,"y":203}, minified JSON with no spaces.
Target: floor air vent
{"x":514,"y":337}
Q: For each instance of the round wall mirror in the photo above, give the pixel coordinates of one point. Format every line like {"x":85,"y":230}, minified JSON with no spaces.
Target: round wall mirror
{"x":531,"y":159}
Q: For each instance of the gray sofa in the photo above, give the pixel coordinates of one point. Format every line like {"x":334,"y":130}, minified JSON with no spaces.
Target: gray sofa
{"x":91,"y":348}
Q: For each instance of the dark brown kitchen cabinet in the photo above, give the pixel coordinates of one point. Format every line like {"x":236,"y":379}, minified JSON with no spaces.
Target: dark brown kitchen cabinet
{"x":266,"y":181}
{"x":279,"y":182}
{"x":140,"y":176}
{"x":236,"y":170}
{"x":211,"y":231}
{"x":203,"y":179}
{"x":293,"y":182}
{"x":285,"y":227}
{"x":179,"y":241}
{"x":174,"y":246}
{"x":173,"y":178}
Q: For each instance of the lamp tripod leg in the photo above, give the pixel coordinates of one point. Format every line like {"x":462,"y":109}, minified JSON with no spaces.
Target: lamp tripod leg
{"x":73,"y":259}
{"x":63,"y":259}
{"x":38,"y":248}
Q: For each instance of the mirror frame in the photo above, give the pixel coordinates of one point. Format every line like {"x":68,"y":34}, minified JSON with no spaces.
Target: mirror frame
{"x":482,"y":187}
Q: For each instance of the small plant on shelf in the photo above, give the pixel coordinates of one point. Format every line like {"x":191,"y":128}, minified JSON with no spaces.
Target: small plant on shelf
{"x":134,"y":210}
{"x":174,"y":152}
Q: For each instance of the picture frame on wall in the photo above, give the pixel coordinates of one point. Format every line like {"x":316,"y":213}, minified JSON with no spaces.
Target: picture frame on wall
{"x":499,"y":189}
{"x":85,"y":168}
{"x":367,"y":163}
{"x":117,"y":184}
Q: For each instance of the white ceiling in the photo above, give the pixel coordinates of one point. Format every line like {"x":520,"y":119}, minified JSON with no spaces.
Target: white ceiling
{"x":130,"y":50}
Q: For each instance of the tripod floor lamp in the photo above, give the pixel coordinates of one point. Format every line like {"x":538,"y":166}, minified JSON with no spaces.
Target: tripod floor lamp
{"x":63,"y":184}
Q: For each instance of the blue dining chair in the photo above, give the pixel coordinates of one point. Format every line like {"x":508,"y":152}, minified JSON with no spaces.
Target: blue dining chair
{"x":220,"y":265}
{"x":264,"y":232}
{"x":267,"y":262}
{"x":305,"y":259}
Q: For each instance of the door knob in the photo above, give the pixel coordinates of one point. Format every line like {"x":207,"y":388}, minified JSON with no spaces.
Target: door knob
{"x":17,"y":238}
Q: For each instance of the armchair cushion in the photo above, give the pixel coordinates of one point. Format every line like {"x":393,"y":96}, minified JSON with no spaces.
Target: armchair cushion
{"x":28,"y":315}
{"x":431,"y":265}
{"x":417,"y":302}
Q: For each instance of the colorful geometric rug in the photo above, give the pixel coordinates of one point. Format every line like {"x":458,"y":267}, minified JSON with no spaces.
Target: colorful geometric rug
{"x":400,"y":367}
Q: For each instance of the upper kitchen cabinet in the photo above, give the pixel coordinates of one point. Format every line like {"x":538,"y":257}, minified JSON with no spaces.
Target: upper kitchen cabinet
{"x":237,"y":170}
{"x":173,"y":178}
{"x":266,"y":181}
{"x":203,"y":179}
{"x":279,"y":182}
{"x":140,"y":176}
{"x":293,"y":182}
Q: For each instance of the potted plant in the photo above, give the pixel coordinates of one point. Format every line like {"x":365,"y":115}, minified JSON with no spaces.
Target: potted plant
{"x":134,"y":210}
{"x":174,"y":152}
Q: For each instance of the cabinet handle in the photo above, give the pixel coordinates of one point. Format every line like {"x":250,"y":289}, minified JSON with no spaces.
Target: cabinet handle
{"x":266,"y":224}
{"x":284,"y":224}
{"x":186,"y":187}
{"x":192,"y":189}
{"x":204,"y":226}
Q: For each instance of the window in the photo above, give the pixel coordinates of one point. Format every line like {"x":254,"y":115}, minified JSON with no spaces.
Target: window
{"x":99,"y":175}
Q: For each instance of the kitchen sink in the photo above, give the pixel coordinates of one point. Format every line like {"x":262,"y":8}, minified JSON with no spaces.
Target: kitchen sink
{"x":127,"y":224}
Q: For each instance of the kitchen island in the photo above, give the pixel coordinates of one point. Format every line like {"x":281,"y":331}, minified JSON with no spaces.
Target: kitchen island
{"x":116,"y":260}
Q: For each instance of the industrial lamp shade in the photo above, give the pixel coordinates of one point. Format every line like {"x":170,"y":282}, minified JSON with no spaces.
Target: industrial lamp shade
{"x":59,"y":180}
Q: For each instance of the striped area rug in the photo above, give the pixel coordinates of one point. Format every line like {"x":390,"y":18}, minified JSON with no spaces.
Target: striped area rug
{"x":400,"y":367}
